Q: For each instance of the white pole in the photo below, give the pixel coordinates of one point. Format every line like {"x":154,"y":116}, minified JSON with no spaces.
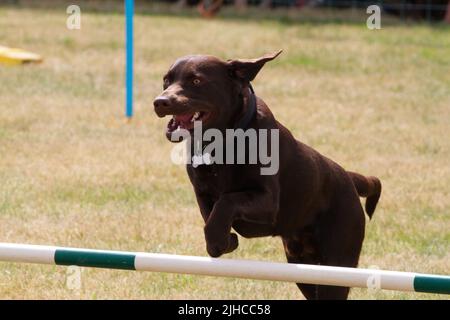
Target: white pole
{"x":274,"y":271}
{"x":302,"y":273}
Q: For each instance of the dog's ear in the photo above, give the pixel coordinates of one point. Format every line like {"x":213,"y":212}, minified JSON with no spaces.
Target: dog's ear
{"x":246,"y":70}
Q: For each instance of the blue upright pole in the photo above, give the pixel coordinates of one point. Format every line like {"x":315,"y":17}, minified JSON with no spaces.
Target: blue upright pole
{"x":129,"y":12}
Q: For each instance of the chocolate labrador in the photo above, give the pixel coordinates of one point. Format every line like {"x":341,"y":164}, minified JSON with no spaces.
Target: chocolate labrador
{"x":310,"y":201}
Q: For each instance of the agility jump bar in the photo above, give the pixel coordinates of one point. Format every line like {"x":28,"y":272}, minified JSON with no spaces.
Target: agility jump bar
{"x":248,"y":269}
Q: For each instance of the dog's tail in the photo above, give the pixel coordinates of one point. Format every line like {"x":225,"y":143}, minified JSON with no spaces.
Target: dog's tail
{"x":367,"y":187}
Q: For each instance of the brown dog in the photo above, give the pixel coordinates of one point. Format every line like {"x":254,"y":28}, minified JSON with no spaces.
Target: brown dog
{"x":310,"y":201}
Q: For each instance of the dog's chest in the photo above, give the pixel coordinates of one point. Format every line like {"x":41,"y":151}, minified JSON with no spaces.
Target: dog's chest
{"x":212,"y":179}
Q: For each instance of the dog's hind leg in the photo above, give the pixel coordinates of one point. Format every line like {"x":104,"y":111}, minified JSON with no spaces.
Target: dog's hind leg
{"x":341,"y":235}
{"x":303,"y":249}
{"x":297,"y":252}
{"x":336,"y":241}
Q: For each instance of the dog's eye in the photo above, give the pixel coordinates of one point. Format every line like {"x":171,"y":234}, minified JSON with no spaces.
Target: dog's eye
{"x":166,"y":83}
{"x":196,"y":81}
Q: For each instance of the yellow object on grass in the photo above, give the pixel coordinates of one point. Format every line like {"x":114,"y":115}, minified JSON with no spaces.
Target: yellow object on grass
{"x":13,"y":56}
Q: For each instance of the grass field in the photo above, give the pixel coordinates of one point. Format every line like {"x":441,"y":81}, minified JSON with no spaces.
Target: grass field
{"x":73,"y":173}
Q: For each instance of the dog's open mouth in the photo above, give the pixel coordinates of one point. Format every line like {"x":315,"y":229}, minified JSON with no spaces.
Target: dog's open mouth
{"x":186,"y":121}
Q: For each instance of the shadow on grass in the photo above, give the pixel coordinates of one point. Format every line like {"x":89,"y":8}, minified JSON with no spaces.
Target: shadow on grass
{"x":284,"y":16}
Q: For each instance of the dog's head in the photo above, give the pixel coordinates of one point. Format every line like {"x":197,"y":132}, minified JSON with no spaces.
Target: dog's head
{"x":207,"y":89}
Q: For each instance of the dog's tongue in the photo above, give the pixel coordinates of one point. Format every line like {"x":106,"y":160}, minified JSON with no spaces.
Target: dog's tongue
{"x":184,"y":117}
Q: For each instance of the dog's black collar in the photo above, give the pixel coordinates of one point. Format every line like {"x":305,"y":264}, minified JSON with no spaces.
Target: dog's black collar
{"x":249,"y":115}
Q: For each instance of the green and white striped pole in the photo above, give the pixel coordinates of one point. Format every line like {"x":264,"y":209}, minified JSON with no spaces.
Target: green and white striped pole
{"x":156,"y":262}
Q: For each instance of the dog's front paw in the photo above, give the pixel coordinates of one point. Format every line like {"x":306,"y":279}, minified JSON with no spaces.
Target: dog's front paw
{"x":214,"y":250}
{"x":217,"y":248}
{"x":234,"y":242}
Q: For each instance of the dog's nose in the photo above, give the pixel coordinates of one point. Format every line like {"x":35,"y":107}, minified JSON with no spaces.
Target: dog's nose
{"x":161,"y":102}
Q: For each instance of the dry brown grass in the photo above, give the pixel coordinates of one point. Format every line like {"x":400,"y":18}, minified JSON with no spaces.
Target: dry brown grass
{"x":73,"y":173}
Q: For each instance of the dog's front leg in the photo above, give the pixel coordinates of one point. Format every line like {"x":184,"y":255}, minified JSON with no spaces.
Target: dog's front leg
{"x":205,"y":204}
{"x":258,"y":207}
